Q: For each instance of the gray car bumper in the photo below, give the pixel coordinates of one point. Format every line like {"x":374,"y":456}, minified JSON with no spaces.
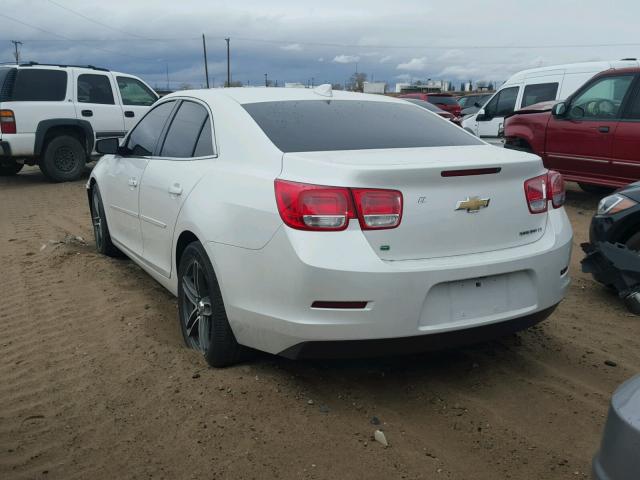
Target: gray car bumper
{"x":618,"y":458}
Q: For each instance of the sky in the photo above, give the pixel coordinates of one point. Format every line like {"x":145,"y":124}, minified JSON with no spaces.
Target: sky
{"x":325,"y":40}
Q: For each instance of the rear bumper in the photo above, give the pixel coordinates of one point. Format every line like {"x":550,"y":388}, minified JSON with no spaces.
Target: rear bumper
{"x":415,"y":344}
{"x":268,"y":293}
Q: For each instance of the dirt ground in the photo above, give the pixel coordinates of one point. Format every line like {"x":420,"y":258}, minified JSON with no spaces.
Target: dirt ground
{"x":95,"y":381}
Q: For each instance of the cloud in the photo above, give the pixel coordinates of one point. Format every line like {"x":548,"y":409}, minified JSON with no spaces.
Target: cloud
{"x":346,"y":59}
{"x":386,"y":59}
{"x":414,"y":65}
{"x":293,"y":47}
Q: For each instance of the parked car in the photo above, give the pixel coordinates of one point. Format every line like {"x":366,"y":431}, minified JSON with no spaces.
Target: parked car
{"x":443,"y":101}
{"x":613,"y":254}
{"x":618,"y":457}
{"x":593,"y":137}
{"x":51,"y":115}
{"x":306,"y":227}
{"x":475,"y":100}
{"x":534,"y":86}
{"x":432,"y":108}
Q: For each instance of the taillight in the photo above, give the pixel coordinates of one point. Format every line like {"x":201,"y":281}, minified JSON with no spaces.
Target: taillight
{"x":314,"y":207}
{"x":557,"y":192}
{"x":324,"y":208}
{"x":378,"y":209}
{"x":7,"y":121}
{"x":543,"y":189}
{"x":535,"y":190}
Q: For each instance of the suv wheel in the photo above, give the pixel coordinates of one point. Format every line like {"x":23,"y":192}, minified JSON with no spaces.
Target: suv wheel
{"x":9,"y":167}
{"x":203,"y":318}
{"x":64,"y":159}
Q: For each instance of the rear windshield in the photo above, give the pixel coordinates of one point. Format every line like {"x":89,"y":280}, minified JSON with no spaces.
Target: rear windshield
{"x":442,"y":100}
{"x":40,"y":85}
{"x":326,"y":125}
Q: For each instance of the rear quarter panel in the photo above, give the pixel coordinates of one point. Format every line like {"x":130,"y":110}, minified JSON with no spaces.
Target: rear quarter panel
{"x":530,"y":127}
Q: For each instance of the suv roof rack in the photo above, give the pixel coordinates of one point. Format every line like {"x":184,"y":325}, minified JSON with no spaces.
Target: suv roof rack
{"x":31,"y":64}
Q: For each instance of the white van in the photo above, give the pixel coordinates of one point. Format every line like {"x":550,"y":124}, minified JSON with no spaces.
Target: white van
{"x":533,"y":86}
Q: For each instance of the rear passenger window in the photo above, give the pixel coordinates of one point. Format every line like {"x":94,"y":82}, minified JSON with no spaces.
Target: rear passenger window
{"x":95,"y":89}
{"x":184,"y":131}
{"x":39,"y":85}
{"x":541,"y":92}
{"x":204,"y":147}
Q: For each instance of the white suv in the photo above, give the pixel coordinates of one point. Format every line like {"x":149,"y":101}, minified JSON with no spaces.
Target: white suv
{"x":51,"y":115}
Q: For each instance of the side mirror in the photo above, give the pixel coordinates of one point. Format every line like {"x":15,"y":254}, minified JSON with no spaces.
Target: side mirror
{"x":559,"y":109}
{"x":108,"y":146}
{"x":482,"y":115}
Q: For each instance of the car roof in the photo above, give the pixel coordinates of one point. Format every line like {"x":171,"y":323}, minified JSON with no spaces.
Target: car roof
{"x":245,"y":95}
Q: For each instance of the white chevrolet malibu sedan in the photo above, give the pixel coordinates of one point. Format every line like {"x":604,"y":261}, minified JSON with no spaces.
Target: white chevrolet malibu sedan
{"x":312,"y":223}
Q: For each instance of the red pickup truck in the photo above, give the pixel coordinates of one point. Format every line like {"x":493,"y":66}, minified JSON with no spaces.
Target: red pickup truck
{"x":444,"y":101}
{"x":593,"y":137}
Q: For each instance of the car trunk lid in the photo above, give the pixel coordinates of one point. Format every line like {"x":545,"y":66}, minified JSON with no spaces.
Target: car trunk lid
{"x":457,"y":200}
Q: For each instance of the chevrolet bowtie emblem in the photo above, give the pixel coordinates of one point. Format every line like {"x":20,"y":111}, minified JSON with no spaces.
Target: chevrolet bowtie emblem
{"x":473,"y":204}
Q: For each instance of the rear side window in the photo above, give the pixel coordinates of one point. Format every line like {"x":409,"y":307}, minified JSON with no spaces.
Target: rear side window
{"x":326,"y":125}
{"x":39,"y":85}
{"x":95,"y":89}
{"x":204,"y":147}
{"x":184,"y":131}
{"x":134,"y":92}
{"x":442,"y":100}
{"x":6,"y":83}
{"x":144,"y":137}
{"x":541,"y":92}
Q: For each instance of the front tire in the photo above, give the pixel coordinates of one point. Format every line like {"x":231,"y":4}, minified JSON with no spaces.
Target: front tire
{"x":64,"y":159}
{"x":100,"y":227}
{"x":201,"y":311}
{"x":10,"y":167}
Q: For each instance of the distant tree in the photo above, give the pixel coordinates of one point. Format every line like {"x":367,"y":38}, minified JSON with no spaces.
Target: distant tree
{"x":234,"y":83}
{"x":336,"y":86}
{"x":357,"y":81}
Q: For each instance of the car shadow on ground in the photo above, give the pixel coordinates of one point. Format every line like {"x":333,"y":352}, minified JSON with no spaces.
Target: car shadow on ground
{"x":33,"y":175}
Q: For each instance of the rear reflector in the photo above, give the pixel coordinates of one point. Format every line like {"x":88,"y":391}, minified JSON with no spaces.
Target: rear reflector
{"x":7,"y":121}
{"x":340,"y":305}
{"x":470,"y":172}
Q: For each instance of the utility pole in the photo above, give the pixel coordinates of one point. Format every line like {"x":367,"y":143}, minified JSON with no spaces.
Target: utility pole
{"x":266,"y":82}
{"x":312,"y":79}
{"x":228,"y":63}
{"x":17,"y":52}
{"x":206,"y":67}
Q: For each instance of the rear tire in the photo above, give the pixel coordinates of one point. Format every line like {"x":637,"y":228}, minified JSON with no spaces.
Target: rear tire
{"x":595,"y":189}
{"x":63,"y":159}
{"x":10,"y":167}
{"x":201,"y":311}
{"x":100,"y":227}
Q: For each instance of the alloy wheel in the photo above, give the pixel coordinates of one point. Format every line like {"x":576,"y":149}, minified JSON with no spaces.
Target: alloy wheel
{"x":196,"y":306}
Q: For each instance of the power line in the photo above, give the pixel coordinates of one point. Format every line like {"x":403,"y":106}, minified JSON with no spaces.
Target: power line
{"x":69,"y":39}
{"x":93,"y":20}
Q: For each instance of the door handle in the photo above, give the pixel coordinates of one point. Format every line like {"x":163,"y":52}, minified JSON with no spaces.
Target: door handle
{"x":129,"y":113}
{"x":175,"y":189}
{"x":603,"y":129}
{"x":87,"y":113}
{"x":133,"y":182}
